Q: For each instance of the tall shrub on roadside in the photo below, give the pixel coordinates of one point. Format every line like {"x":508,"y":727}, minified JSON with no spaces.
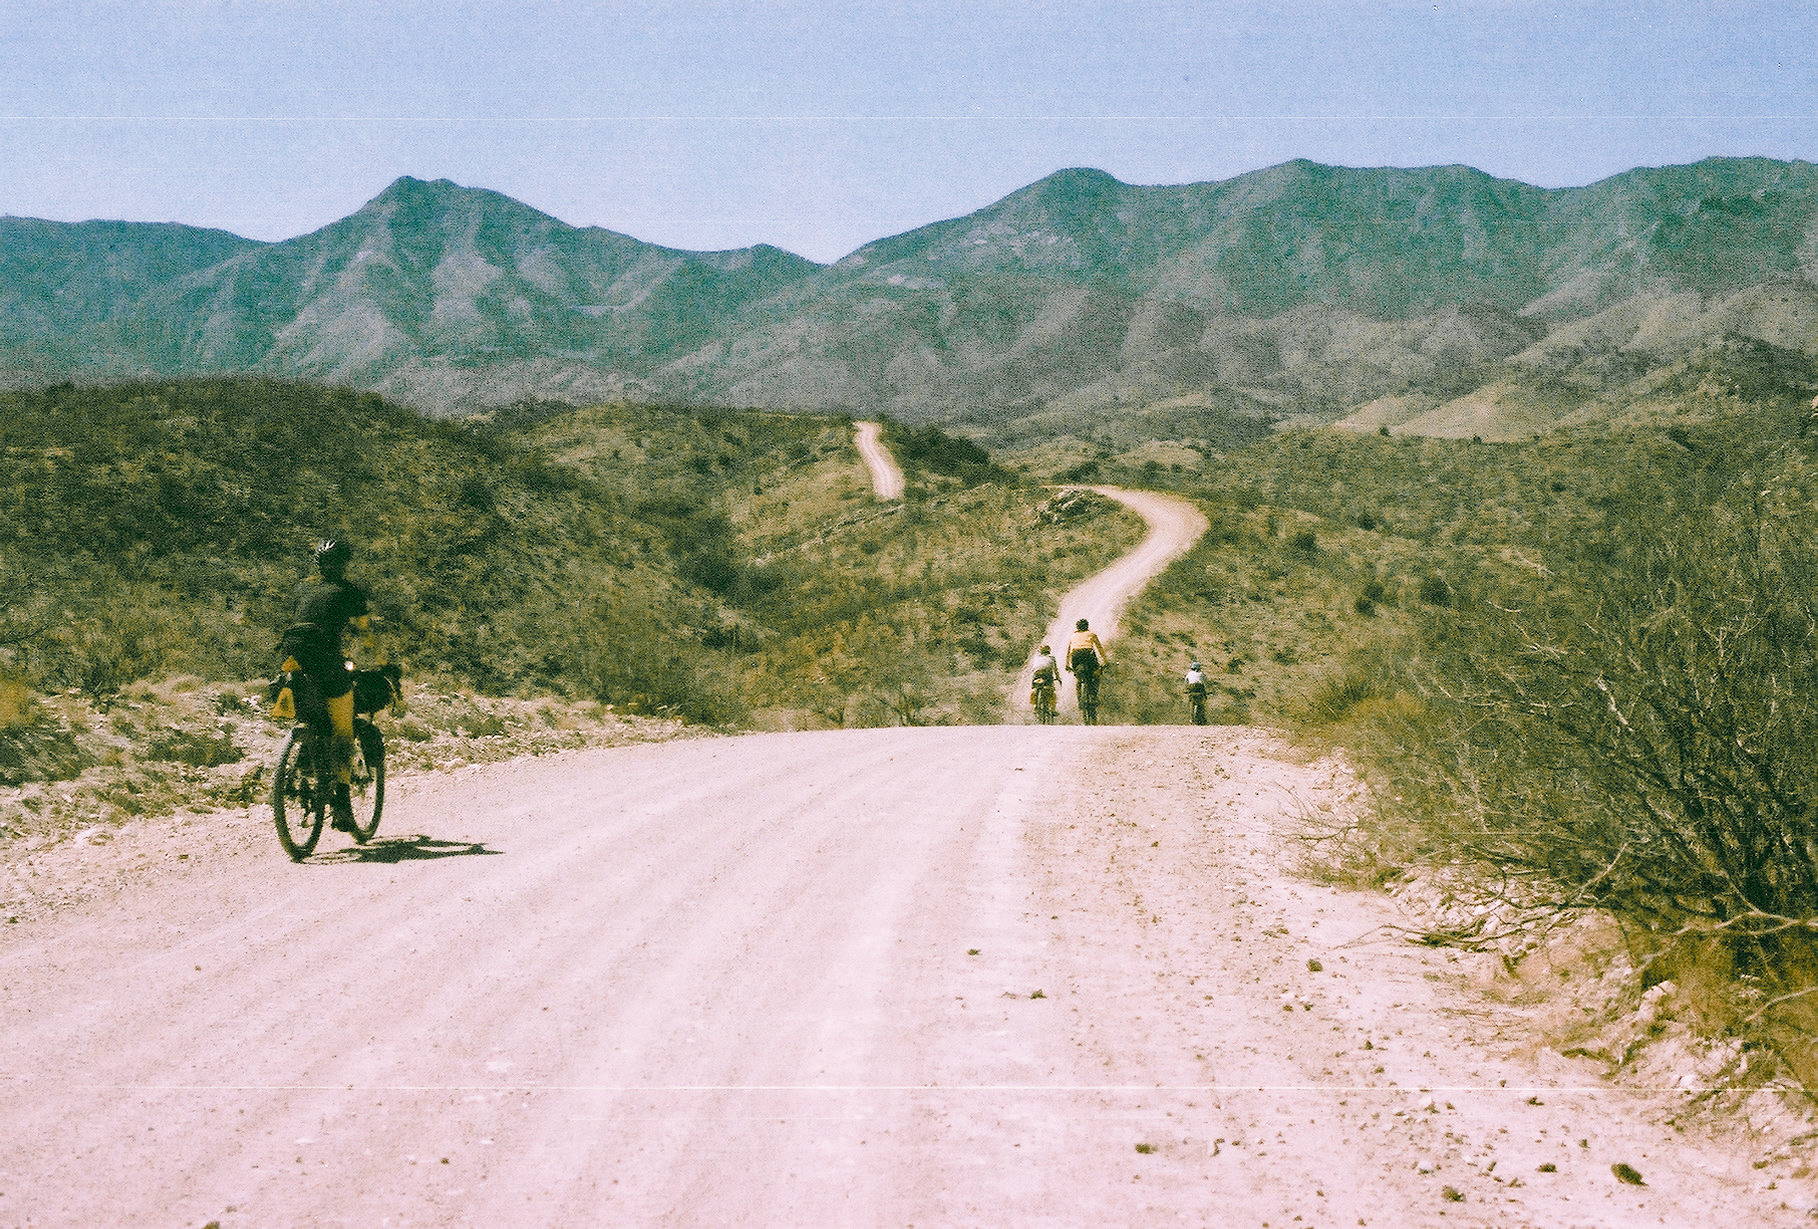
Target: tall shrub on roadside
{"x":1633,"y":724}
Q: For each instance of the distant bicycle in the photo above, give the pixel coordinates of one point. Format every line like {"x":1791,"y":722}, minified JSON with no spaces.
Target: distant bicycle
{"x":1041,"y":695}
{"x":304,"y":781}
{"x":1088,"y":694}
{"x":1196,"y":693}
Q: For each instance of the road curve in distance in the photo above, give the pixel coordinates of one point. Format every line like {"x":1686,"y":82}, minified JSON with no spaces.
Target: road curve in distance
{"x":886,"y":474}
{"x":1175,"y":524}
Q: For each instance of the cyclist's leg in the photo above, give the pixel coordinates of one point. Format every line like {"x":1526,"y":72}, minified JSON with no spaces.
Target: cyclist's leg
{"x":335,"y":683}
{"x":341,"y":725}
{"x":1088,"y":682}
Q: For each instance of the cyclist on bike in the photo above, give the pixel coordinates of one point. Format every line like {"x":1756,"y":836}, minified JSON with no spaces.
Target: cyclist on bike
{"x":327,"y":606}
{"x":1047,"y":669}
{"x":1085,"y":658}
{"x":1196,"y":693}
{"x":1085,"y":652}
{"x":1044,"y":683}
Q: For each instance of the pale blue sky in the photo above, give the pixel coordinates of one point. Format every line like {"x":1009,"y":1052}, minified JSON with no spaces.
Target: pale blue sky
{"x":819,"y":126}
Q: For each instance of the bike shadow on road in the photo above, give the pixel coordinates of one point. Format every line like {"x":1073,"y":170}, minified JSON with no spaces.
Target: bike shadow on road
{"x":391,"y":850}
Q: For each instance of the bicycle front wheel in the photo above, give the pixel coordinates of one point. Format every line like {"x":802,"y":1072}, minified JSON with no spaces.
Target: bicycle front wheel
{"x":368,"y":785}
{"x":298,"y":803}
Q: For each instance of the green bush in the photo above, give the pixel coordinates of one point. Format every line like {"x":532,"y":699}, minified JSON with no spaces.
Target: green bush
{"x":1434,"y":591}
{"x":931,"y":449}
{"x":34,"y":744}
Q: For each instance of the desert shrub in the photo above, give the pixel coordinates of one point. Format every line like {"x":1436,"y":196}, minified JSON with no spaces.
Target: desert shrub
{"x":34,"y":744}
{"x":100,"y":652}
{"x":1642,"y":730}
{"x":931,"y":449}
{"x":1633,"y":726}
{"x":1434,"y":591}
{"x":1332,"y":699}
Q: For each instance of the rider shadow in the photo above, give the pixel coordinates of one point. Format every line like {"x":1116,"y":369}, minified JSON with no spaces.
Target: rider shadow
{"x":394,"y":849}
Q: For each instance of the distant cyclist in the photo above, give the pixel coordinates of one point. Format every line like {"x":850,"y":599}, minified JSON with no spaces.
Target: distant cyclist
{"x":1196,"y":693}
{"x":1047,"y":669}
{"x":1044,"y":684}
{"x":1085,"y":652}
{"x":1085,"y":658}
{"x":327,"y":606}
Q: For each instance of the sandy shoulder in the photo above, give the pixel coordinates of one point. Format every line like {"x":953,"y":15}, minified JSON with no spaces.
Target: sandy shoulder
{"x":1306,"y":1061}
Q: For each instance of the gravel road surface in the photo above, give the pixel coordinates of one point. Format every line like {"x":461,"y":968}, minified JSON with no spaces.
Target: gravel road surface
{"x":1004,"y":975}
{"x":886,"y":475}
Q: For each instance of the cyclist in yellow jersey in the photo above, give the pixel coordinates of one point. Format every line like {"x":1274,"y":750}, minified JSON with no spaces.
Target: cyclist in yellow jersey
{"x":1084,"y":649}
{"x":1085,"y":658}
{"x":328,"y":606}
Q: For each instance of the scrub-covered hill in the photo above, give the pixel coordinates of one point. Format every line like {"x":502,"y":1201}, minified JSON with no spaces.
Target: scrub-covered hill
{"x":725,"y":567}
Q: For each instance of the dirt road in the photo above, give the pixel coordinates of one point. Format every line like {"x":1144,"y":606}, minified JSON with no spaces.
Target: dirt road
{"x":1005,"y":975}
{"x":1175,"y":524}
{"x":886,"y":475}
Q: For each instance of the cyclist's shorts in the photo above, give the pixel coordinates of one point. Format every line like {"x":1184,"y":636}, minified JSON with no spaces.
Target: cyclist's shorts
{"x":1083,"y":661}
{"x":330,"y":675}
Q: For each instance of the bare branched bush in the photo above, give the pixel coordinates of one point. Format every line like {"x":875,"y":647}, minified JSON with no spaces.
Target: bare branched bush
{"x":1633,"y":726}
{"x":1645,"y":732}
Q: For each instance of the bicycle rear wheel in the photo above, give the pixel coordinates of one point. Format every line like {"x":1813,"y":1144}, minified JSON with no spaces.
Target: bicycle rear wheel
{"x":1088,"y":698}
{"x":368,"y":787}
{"x":1044,"y":705}
{"x":299,"y":802}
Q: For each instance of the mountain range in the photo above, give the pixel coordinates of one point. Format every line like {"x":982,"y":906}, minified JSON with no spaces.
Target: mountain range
{"x":1429,"y":299}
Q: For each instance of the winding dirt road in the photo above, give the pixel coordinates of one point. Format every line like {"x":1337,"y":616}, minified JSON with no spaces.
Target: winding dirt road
{"x":1003,"y":975}
{"x":1175,"y":524}
{"x":886,"y":475}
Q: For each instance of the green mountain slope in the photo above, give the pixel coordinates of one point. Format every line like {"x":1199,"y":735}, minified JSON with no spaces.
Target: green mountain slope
{"x":1299,"y":291}
{"x":63,"y":286}
{"x":433,"y":289}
